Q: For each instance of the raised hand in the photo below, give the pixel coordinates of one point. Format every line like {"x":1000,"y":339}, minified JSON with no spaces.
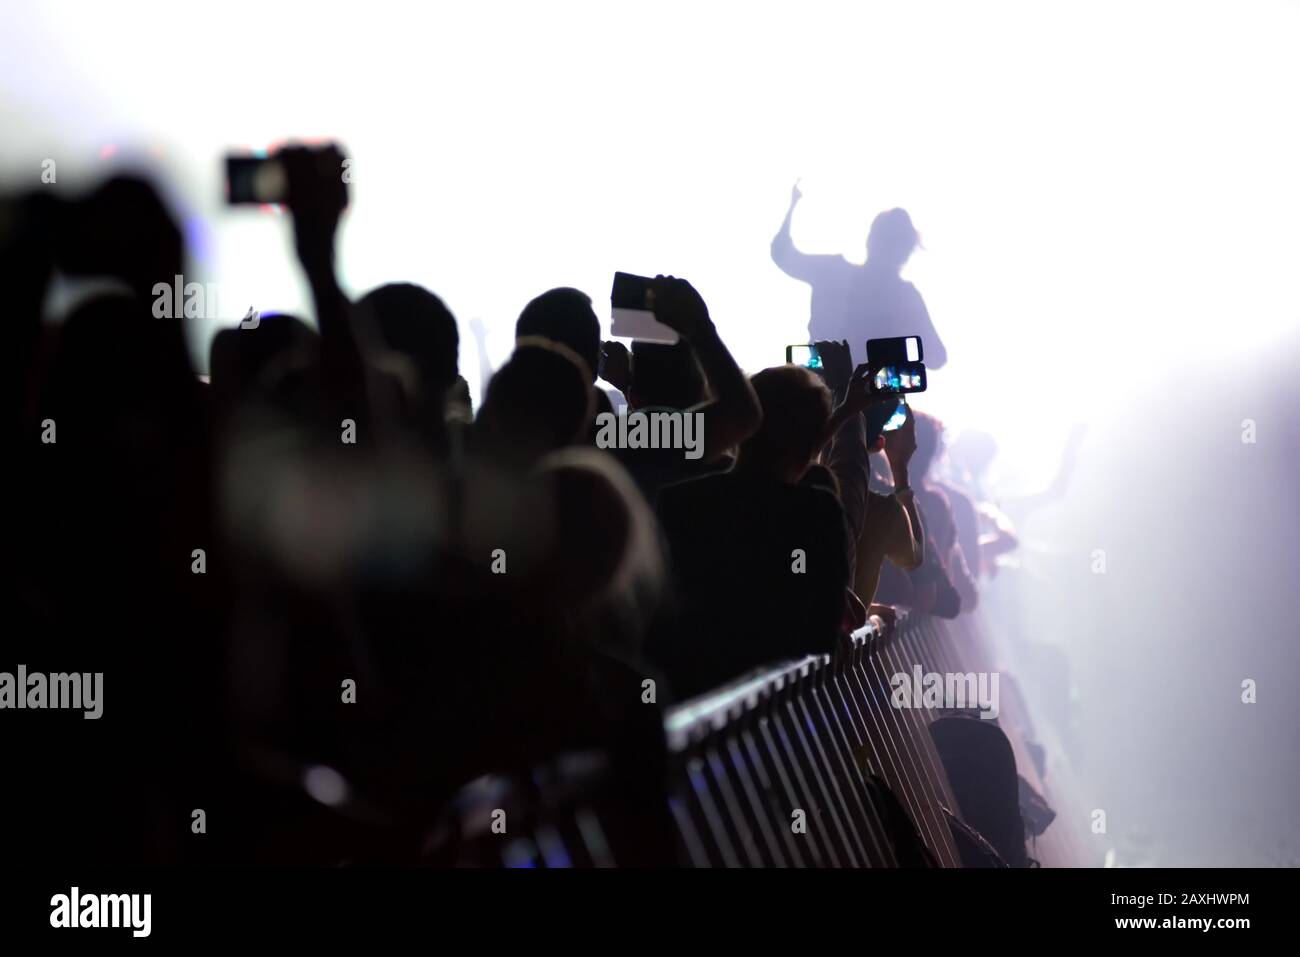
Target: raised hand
{"x":900,"y":445}
{"x":859,"y":396}
{"x":317,"y":196}
{"x":679,"y":307}
{"x":837,"y":364}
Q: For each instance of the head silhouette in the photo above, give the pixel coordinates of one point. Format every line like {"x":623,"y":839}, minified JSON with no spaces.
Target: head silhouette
{"x":414,"y":322}
{"x":246,"y":362}
{"x":143,"y":400}
{"x":892,"y":239}
{"x":536,"y":403}
{"x":796,"y":410}
{"x":565,"y":316}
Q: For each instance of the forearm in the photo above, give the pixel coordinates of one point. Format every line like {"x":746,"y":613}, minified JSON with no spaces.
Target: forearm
{"x":783,"y":251}
{"x":903,"y":493}
{"x":734,"y":414}
{"x":866,"y":575}
{"x":846,"y":457}
{"x":342,"y":359}
{"x":782,"y":236}
{"x":340,"y":349}
{"x":317,"y":197}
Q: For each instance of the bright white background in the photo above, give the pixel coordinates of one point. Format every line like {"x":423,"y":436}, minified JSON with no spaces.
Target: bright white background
{"x":1108,"y":193}
{"x":1081,"y":173}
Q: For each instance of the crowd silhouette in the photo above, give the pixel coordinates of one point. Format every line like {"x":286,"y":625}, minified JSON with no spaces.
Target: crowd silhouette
{"x":318,"y":563}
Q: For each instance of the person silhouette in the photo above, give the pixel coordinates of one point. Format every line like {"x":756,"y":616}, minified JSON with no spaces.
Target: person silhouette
{"x":870,"y":301}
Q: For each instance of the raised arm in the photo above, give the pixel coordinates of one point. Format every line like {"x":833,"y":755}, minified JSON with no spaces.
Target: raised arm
{"x":733,"y":414}
{"x":844,"y":448}
{"x":891,"y":527}
{"x":789,"y":260}
{"x":900,"y":444}
{"x":317,"y":198}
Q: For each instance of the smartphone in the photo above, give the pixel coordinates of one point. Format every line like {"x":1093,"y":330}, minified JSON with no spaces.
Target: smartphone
{"x":255,"y":179}
{"x":881,"y":417}
{"x":806,"y":356}
{"x":899,"y":379}
{"x":896,"y":420}
{"x":632,"y":302}
{"x":895,"y":350}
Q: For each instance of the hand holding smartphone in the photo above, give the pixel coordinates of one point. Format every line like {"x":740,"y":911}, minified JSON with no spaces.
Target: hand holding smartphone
{"x":896,"y":365}
{"x":806,"y":356}
{"x":632,"y":302}
{"x":258,"y":180}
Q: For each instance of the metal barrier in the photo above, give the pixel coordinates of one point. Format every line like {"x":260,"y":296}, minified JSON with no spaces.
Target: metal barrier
{"x":778,"y":769}
{"x":786,"y":767}
{"x":804,"y":764}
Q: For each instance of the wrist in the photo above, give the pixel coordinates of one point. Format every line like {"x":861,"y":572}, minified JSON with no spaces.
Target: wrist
{"x":315,"y":252}
{"x":702,"y":330}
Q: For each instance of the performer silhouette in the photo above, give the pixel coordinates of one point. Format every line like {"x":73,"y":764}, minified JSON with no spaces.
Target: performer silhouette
{"x":857,"y":303}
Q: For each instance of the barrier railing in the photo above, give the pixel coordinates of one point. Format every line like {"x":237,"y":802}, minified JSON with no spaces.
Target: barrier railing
{"x":803,"y":764}
{"x":782,"y":768}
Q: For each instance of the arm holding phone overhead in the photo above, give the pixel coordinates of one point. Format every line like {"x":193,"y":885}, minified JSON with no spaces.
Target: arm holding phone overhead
{"x":844,"y":450}
{"x":856,"y":389}
{"x":882,"y":526}
{"x":733,"y":414}
{"x":891,"y":526}
{"x":316,"y":201}
{"x":857,"y":397}
{"x":316,"y":195}
{"x":899,"y":448}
